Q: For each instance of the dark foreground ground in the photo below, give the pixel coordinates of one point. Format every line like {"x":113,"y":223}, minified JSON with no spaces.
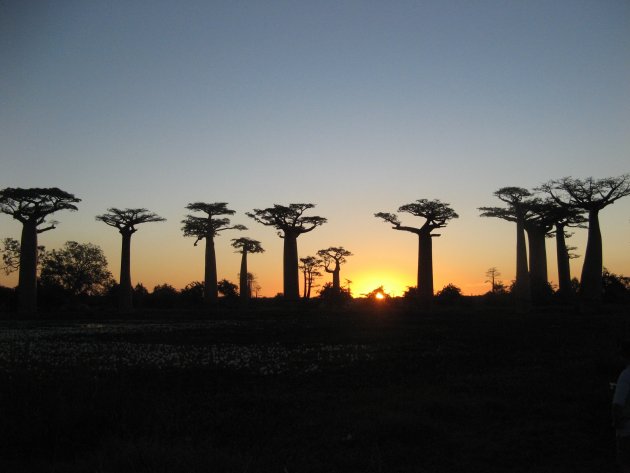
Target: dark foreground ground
{"x":369,"y":390}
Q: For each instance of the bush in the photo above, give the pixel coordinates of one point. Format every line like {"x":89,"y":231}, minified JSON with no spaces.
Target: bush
{"x":449,"y":294}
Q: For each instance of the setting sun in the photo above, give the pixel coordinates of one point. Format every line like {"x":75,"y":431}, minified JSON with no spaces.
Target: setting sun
{"x":379,"y":296}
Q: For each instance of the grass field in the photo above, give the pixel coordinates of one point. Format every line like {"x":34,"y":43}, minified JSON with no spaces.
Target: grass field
{"x":370,"y":389}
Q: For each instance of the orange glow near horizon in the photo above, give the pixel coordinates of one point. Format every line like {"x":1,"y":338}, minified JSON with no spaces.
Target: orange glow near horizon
{"x":380,"y":296}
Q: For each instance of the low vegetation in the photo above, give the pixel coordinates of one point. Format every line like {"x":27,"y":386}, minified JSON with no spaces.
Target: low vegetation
{"x":376,"y":386}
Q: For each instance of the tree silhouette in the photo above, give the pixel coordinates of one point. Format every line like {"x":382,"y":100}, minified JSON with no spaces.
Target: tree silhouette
{"x":125,"y":220}
{"x":290,"y":223}
{"x":517,"y":212}
{"x":77,"y":268}
{"x":564,"y":217}
{"x":209,"y":227}
{"x":492,"y":274}
{"x":30,"y":207}
{"x":539,"y":223}
{"x":309,"y":268}
{"x":436,"y":214}
{"x":334,"y":256}
{"x":246,"y":246}
{"x":590,"y":195}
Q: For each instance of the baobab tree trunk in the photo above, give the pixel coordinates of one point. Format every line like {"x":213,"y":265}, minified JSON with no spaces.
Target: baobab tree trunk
{"x":591,"y":281}
{"x":521,"y":285}
{"x":336,"y":283}
{"x":27,"y":283}
{"x":425,"y":266}
{"x":538,"y":279}
{"x":244,"y":286}
{"x":126,"y":291}
{"x":290,"y":263}
{"x":210,"y":288}
{"x":564,"y":270}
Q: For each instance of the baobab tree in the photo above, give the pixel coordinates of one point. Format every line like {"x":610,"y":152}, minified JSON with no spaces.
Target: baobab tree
{"x":564,"y":217}
{"x":333,"y":258}
{"x":538,"y":225}
{"x":31,"y":207}
{"x":516,"y":211}
{"x":208,"y":227}
{"x":437,"y":214}
{"x":246,"y":246}
{"x":309,"y":267}
{"x":591,"y":196}
{"x":493,"y":274}
{"x":125,"y":220}
{"x":290,"y":223}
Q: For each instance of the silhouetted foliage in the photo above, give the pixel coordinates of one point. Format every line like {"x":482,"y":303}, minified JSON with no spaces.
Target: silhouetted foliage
{"x":335,"y":296}
{"x":590,"y":195}
{"x":31,"y":207}
{"x":246,"y":246}
{"x":449,"y":295}
{"x":80,"y":269}
{"x":616,"y":287}
{"x":125,"y":220}
{"x":163,"y":296}
{"x":192,"y":294}
{"x":11,"y":255}
{"x":228,"y":289}
{"x":140,"y":295}
{"x":290,"y":223}
{"x":437,"y":214}
{"x":377,"y":294}
{"x":208,"y":227}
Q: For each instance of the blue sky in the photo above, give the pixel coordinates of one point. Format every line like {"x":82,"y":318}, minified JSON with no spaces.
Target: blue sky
{"x":358,"y":107}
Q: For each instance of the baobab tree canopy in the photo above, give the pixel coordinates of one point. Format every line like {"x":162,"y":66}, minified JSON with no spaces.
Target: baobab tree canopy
{"x":588,"y":194}
{"x":125,"y":220}
{"x":35,"y":204}
{"x":436,"y":213}
{"x":247,"y":245}
{"x":208,"y":226}
{"x":288,"y":219}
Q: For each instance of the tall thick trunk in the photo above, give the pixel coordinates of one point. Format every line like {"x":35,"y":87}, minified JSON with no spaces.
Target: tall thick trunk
{"x":564,"y":270}
{"x":591,"y":282}
{"x":290,"y":266}
{"x":335,"y":281}
{"x":27,"y":283}
{"x":521,"y":284}
{"x":210,"y":288}
{"x":538,"y":279}
{"x":126,"y":291}
{"x":425,"y":265}
{"x":244,"y":286}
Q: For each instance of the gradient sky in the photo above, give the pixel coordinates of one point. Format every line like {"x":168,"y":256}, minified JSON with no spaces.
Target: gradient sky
{"x":356,"y":106}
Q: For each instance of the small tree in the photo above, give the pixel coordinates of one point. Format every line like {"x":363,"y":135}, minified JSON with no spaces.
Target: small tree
{"x":208,"y":227}
{"x":228,"y":289}
{"x":334,"y":257}
{"x":290,"y":223}
{"x":125,"y":220}
{"x":309,"y":267}
{"x":80,"y":269}
{"x":245,"y":246}
{"x":449,"y":294}
{"x":31,"y":207}
{"x":592,"y":196}
{"x":11,"y":255}
{"x":437,"y":214}
{"x":492,"y":274}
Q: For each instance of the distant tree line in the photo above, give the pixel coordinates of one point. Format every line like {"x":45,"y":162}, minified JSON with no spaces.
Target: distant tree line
{"x":546,"y":211}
